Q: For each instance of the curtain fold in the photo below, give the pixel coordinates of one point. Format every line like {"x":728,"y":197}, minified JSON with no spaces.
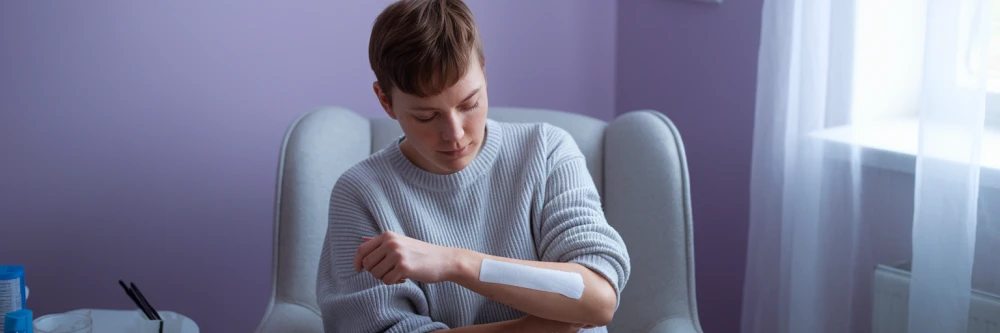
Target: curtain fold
{"x":952,"y":116}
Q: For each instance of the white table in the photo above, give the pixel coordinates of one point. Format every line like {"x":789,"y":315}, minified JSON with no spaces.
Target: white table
{"x":127,"y":321}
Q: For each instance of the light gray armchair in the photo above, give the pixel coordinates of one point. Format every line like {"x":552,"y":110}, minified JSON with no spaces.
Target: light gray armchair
{"x":637,"y":162}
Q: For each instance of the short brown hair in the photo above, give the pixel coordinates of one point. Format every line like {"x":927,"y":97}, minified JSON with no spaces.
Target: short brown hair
{"x":422,"y":47}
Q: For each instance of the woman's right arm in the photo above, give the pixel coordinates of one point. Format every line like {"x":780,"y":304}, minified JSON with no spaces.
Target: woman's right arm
{"x":352,"y":301}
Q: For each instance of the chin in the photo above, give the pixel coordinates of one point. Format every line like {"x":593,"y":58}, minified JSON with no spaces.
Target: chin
{"x":454,"y":165}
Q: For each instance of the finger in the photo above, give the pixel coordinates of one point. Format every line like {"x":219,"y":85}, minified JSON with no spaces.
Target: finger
{"x":374,"y":258}
{"x":395,"y":274}
{"x":386,"y":280}
{"x":364,"y":249}
{"x":383,"y":267}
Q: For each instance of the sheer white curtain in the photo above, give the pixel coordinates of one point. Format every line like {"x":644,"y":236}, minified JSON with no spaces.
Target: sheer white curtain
{"x":825,"y":212}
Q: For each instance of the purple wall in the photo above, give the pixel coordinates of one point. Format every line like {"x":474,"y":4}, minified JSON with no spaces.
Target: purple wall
{"x":555,"y":54}
{"x":139,"y":140}
{"x":697,"y":63}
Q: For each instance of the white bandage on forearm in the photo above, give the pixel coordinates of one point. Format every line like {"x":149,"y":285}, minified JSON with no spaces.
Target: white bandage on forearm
{"x":569,"y":284}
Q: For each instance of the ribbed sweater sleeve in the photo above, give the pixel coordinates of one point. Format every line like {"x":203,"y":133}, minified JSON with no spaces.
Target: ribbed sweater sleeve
{"x":571,"y":226}
{"x":354,"y":301}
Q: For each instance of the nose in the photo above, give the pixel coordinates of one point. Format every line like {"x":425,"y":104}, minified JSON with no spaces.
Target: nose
{"x":453,"y":131}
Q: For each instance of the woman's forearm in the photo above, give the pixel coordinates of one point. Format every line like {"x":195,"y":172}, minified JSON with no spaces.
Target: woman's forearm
{"x":525,"y":324}
{"x":498,"y":327}
{"x":594,"y":308}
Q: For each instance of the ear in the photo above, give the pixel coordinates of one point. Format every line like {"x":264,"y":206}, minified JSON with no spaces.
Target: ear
{"x":383,"y":99}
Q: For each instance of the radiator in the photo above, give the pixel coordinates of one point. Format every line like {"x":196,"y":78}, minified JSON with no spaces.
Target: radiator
{"x":891,"y":290}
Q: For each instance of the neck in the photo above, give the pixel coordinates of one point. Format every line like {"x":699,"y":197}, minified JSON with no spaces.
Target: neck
{"x":411,"y":154}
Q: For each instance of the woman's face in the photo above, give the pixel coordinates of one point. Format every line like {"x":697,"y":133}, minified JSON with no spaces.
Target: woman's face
{"x":443,"y":132}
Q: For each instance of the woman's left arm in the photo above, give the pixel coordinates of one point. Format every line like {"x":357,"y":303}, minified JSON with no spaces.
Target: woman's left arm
{"x":596,"y":306}
{"x":571,"y":234}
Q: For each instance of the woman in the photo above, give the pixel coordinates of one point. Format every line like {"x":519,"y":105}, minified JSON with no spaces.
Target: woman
{"x":464,"y":224}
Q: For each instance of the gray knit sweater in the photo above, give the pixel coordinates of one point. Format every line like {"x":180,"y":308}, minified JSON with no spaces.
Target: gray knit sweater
{"x":526,"y":195}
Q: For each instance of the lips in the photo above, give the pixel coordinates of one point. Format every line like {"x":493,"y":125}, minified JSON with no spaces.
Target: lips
{"x":455,"y":153}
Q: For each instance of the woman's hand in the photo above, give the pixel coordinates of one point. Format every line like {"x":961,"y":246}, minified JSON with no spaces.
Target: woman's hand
{"x":393,"y":258}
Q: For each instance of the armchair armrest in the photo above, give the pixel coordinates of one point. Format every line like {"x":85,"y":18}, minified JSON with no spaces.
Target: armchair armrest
{"x":648,"y":201}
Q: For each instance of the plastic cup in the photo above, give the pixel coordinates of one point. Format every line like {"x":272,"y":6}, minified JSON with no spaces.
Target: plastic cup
{"x":172,"y":322}
{"x":64,"y":323}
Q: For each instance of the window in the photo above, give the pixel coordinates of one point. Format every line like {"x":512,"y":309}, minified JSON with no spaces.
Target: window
{"x":995,"y":46}
{"x":887,"y":61}
{"x":993,"y":100}
{"x":876,"y":66}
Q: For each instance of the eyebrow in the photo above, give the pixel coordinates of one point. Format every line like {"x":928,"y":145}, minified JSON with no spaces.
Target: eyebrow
{"x":467,"y":98}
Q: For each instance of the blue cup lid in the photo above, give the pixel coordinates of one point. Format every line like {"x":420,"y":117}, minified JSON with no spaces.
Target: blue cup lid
{"x":10,"y":272}
{"x":18,"y":321}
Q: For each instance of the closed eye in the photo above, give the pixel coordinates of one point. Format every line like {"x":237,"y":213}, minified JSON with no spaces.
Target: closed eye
{"x":471,"y":108}
{"x":424,"y":120}
{"x":432,"y":117}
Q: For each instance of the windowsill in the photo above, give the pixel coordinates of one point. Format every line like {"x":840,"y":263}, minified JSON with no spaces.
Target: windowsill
{"x":893,"y":145}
